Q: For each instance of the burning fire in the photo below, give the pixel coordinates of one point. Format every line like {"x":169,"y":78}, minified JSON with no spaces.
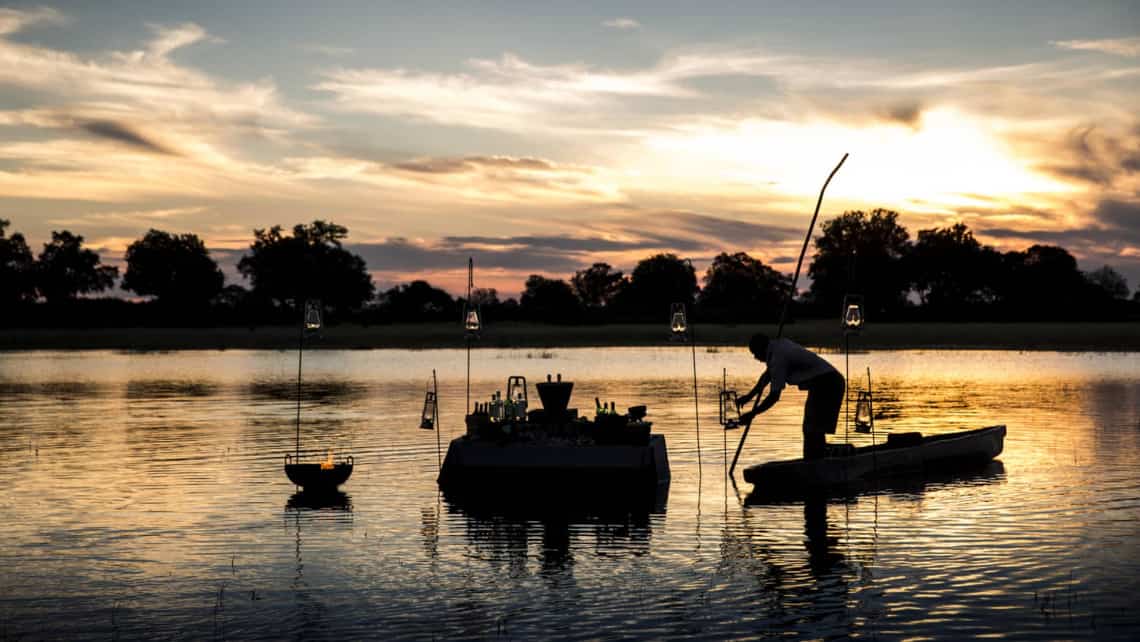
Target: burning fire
{"x":327,"y":464}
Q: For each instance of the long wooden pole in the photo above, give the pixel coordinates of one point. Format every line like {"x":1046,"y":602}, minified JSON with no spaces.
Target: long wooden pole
{"x":788,"y":299}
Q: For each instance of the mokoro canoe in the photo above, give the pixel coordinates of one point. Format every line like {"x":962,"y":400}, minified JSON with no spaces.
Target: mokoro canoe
{"x":901,"y":454}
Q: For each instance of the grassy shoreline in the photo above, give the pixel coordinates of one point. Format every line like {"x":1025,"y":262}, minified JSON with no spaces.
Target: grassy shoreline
{"x":1109,"y":336}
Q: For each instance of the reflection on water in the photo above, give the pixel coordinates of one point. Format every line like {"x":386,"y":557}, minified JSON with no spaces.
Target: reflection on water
{"x":144,"y":497}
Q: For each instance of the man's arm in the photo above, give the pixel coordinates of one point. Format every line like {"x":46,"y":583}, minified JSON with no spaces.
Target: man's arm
{"x":757,"y":389}
{"x":777,"y":375}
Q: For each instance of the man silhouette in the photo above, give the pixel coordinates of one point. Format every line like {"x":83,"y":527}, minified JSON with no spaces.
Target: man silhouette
{"x":788,"y":362}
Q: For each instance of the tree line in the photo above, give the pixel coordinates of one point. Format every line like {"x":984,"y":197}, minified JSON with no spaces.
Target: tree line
{"x":944,"y":274}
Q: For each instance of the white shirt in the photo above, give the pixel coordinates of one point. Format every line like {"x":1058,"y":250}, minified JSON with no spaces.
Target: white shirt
{"x":789,"y":362}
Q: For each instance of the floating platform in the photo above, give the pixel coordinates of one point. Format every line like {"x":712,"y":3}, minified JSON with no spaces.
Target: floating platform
{"x":901,"y":454}
{"x":476,"y":461}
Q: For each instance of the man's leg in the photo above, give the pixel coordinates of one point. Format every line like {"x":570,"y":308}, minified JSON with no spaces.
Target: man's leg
{"x":815,"y":445}
{"x":821,"y":413}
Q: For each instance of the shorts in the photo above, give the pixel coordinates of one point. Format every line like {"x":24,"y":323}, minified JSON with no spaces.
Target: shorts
{"x":825,"y":398}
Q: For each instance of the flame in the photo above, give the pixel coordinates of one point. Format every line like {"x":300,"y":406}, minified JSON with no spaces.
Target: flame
{"x":327,"y":464}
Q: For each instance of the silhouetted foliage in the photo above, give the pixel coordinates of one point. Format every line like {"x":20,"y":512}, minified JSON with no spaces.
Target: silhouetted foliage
{"x":492,"y":308}
{"x":17,"y":281}
{"x":309,"y":264}
{"x":654,"y":284}
{"x":951,"y":272}
{"x":741,"y":288}
{"x":1043,"y":283}
{"x":597,"y":285}
{"x":549,"y":300}
{"x":174,"y":268}
{"x":65,"y":269}
{"x":863,"y":254}
{"x":417,"y":301}
{"x":1109,"y":280}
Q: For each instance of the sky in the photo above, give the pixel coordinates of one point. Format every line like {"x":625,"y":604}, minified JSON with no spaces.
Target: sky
{"x":540,"y":138}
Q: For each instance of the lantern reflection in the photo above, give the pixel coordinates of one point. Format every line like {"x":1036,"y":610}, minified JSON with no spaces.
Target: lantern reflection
{"x":864,"y":417}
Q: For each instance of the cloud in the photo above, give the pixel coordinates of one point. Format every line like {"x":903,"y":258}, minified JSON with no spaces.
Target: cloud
{"x":144,"y":84}
{"x":329,"y":50}
{"x":1090,"y":154}
{"x":513,"y":94}
{"x":622,"y":24}
{"x":1128,"y":47}
{"x":13,"y":20}
{"x":118,"y":132}
{"x":168,"y":39}
{"x":455,"y":165}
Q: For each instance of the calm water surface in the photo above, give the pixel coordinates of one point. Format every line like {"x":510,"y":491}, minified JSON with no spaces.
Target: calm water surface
{"x":143,"y":496}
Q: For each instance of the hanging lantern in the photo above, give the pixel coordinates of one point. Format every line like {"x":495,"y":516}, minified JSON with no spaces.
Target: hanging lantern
{"x":678,"y":321}
{"x":864,"y":418}
{"x":427,"y":417}
{"x":472,"y":324}
{"x":312,"y":315}
{"x":853,"y":316}
{"x":729,"y":414}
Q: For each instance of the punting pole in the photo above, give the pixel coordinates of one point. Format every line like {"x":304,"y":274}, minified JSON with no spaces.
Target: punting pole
{"x":788,"y":298}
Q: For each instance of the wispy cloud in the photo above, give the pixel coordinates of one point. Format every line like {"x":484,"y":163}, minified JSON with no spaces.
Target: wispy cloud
{"x":13,"y":20}
{"x":1128,"y":47}
{"x":329,"y":50}
{"x":622,"y":24}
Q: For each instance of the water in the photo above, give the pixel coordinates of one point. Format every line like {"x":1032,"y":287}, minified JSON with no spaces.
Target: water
{"x":143,"y":496}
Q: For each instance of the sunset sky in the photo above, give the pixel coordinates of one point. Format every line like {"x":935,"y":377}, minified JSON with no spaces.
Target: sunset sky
{"x":542,"y":138}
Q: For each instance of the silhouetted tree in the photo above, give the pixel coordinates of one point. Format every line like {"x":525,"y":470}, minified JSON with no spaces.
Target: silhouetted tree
{"x":951,"y":272}
{"x":417,"y":301}
{"x":17,"y":280}
{"x":1112,"y":282}
{"x":549,"y":300}
{"x":597,"y":285}
{"x":309,"y":264}
{"x":65,"y":269}
{"x":741,"y":288}
{"x":861,"y":253}
{"x":655,"y":283}
{"x":175,"y":268}
{"x":1043,"y":282}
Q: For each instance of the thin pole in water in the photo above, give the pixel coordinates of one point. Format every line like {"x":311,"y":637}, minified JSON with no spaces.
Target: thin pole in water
{"x":435,"y":411}
{"x":696,"y":407}
{"x":846,"y":385}
{"x":788,"y":298}
{"x":723,"y":387}
{"x":300,"y":352}
{"x":467,"y":335}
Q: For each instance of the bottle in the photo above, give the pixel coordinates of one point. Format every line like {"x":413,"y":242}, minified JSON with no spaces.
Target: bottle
{"x":520,"y":407}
